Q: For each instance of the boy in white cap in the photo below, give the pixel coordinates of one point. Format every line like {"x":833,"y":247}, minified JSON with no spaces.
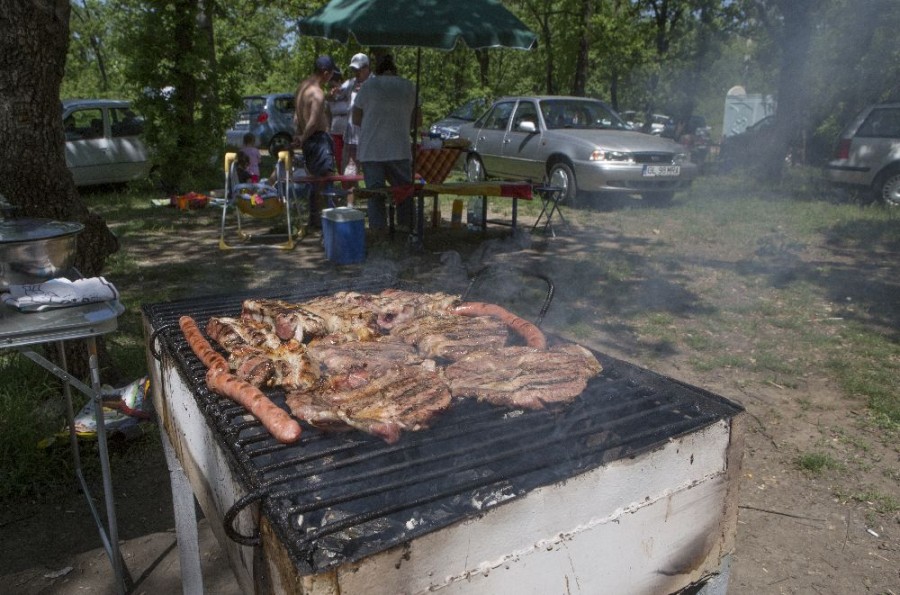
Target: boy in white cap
{"x":360,"y":70}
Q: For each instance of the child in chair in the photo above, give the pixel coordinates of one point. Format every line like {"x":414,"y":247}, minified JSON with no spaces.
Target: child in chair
{"x":252,"y":153}
{"x":242,"y":168}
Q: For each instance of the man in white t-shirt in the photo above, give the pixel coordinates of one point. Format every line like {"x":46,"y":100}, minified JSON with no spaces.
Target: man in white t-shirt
{"x":385,"y":111}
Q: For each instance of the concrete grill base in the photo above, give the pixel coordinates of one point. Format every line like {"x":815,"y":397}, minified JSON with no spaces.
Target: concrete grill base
{"x":655,"y":523}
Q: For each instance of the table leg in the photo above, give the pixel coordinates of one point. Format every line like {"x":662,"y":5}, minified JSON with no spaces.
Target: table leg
{"x":515,"y":212}
{"x":484,"y":210}
{"x":185,"y":521}
{"x":94,"y":365}
{"x":109,"y":535}
{"x":420,"y":215}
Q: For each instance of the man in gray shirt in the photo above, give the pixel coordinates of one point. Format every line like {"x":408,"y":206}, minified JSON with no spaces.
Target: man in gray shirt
{"x":385,"y":110}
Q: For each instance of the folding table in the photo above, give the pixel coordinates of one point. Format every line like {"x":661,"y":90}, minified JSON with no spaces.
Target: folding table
{"x":24,"y":332}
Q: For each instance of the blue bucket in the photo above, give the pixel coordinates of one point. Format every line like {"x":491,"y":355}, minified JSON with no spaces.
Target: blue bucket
{"x":344,"y":232}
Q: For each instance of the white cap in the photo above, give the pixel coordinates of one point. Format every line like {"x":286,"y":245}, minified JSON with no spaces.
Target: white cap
{"x":359,"y":61}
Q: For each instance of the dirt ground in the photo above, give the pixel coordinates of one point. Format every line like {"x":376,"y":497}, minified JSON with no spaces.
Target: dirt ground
{"x":795,"y":535}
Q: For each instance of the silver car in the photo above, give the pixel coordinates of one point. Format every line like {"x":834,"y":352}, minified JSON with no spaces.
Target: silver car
{"x":103,"y":142}
{"x":868,"y":153}
{"x":575,"y":143}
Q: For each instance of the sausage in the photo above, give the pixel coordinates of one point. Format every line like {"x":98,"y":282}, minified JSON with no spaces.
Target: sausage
{"x":528,"y":331}
{"x":218,"y":378}
{"x":211,"y":358}
{"x":280,"y":424}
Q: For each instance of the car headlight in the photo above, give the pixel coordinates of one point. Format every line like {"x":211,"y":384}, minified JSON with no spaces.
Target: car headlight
{"x":679,"y":158}
{"x":618,"y":156}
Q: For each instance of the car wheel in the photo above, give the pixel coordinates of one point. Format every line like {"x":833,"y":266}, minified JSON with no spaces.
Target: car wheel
{"x":280,"y":142}
{"x":562,"y":176}
{"x":658,"y":198}
{"x":475,"y":169}
{"x":888,"y":188}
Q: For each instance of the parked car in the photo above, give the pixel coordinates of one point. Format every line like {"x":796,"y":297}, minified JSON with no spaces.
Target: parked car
{"x":749,"y":147}
{"x":448,"y":127}
{"x":868,"y":153}
{"x":103,"y":142}
{"x":575,"y":143}
{"x":656,"y":125}
{"x":269,"y":117}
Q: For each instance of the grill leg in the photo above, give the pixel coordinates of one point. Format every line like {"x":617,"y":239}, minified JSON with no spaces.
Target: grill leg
{"x":185,"y":522}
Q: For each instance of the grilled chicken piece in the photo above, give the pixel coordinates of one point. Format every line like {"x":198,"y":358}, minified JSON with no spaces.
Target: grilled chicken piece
{"x":314,"y":318}
{"x":451,"y":336}
{"x":229,"y":332}
{"x":342,"y":315}
{"x":288,"y":366}
{"x":288,"y":320}
{"x":523,"y":376}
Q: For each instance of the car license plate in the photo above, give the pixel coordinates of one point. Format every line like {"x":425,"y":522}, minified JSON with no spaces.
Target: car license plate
{"x":661,"y":170}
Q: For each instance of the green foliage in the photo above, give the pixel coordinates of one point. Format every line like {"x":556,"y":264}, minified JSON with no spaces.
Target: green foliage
{"x":672,"y":56}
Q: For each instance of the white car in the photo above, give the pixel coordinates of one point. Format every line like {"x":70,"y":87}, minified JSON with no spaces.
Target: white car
{"x":103,"y":142}
{"x":574,"y":143}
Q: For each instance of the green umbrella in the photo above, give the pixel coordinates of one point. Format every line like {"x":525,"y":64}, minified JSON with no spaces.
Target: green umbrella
{"x":420,"y":23}
{"x":439,"y":24}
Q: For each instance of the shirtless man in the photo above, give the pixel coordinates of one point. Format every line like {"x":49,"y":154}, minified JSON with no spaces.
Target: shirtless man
{"x":312,"y":120}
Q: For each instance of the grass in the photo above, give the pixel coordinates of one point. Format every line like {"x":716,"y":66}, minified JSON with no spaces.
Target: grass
{"x":729,"y":251}
{"x":817,"y":462}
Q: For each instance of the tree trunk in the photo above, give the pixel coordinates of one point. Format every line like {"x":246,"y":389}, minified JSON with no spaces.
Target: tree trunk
{"x":794,"y":41}
{"x":34,"y":38}
{"x":584,"y":47}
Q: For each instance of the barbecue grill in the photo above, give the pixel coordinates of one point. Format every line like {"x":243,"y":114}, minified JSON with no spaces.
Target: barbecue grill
{"x":630,"y":488}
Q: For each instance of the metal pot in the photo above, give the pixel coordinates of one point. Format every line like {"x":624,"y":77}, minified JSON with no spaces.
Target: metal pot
{"x":35,"y":250}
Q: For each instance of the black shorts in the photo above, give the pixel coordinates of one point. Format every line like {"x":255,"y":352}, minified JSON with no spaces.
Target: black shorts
{"x":318,"y":154}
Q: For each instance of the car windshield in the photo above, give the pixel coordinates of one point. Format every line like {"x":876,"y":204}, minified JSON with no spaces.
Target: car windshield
{"x":469,"y":110}
{"x":579,"y":113}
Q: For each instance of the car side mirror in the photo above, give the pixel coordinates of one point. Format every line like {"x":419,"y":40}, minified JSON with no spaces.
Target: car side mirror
{"x":527,"y":126}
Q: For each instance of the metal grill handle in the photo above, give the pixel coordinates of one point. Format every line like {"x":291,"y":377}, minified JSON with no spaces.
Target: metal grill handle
{"x":228,"y":521}
{"x":495,"y":270}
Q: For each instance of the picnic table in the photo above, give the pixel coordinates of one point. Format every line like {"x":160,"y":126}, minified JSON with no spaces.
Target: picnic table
{"x":418,"y":192}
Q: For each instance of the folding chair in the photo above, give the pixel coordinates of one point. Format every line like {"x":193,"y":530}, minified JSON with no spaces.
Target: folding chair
{"x":258,"y":201}
{"x":550,"y":199}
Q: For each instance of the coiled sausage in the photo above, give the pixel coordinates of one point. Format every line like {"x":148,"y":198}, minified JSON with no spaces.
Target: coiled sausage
{"x":528,"y":331}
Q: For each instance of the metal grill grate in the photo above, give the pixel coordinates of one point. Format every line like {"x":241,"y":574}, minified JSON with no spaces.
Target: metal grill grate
{"x":337,"y":498}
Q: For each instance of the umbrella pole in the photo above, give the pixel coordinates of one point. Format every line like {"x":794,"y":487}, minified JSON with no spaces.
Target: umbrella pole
{"x":416,"y":112}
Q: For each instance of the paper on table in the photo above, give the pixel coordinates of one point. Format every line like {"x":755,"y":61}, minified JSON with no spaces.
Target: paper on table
{"x":57,"y":293}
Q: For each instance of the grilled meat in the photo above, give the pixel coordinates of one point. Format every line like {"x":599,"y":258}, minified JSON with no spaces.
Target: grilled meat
{"x":288,"y":366}
{"x":368,"y":361}
{"x":229,"y":332}
{"x":342,"y":315}
{"x":288,"y":320}
{"x":379,"y":401}
{"x":314,"y":318}
{"x":341,"y":357}
{"x":393,"y":306}
{"x":523,"y":376}
{"x":450,"y":336}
